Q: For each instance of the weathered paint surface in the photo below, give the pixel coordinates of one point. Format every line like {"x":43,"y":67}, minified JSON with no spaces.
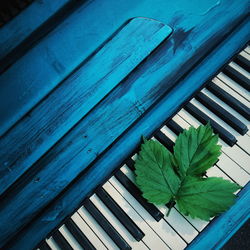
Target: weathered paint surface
{"x":118,"y":120}
{"x":119,"y":151}
{"x":76,"y":96}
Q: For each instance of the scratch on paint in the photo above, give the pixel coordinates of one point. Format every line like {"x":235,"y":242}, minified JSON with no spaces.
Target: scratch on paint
{"x":211,"y":8}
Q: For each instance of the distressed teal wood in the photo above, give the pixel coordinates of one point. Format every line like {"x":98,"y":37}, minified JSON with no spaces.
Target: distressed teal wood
{"x":63,"y":49}
{"x":222,"y":228}
{"x":70,"y":199}
{"x":76,"y":96}
{"x":22,"y":26}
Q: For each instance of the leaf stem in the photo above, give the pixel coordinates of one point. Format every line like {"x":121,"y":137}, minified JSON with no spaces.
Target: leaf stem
{"x":170,"y":205}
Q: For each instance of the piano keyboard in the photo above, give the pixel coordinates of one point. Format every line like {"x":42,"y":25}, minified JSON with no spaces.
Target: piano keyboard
{"x":116,"y":216}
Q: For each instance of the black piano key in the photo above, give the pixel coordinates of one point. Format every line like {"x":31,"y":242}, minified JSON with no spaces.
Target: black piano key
{"x":132,"y":228}
{"x":222,"y":113}
{"x":78,"y":235}
{"x":203,"y":118}
{"x":229,"y":100}
{"x":177,"y":129}
{"x":237,"y":77}
{"x":134,"y":191}
{"x":243,"y":62}
{"x":131,"y":164}
{"x":44,"y":246}
{"x":61,"y":241}
{"x":164,"y":140}
{"x":104,"y":223}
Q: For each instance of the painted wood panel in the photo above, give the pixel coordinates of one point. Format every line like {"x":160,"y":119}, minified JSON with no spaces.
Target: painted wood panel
{"x":76,"y":96}
{"x":64,"y":48}
{"x":31,"y":18}
{"x":71,"y":198}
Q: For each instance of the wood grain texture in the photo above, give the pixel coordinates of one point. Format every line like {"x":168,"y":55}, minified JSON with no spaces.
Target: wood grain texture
{"x":76,"y":96}
{"x":71,"y":42}
{"x":71,"y":198}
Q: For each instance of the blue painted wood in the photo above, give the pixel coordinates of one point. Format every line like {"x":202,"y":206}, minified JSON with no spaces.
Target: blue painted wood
{"x":71,"y":198}
{"x":223,"y":227}
{"x":76,"y":96}
{"x":30,"y":19}
{"x":61,"y":51}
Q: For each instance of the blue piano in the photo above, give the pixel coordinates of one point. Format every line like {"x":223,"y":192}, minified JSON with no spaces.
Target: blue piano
{"x":81,"y":82}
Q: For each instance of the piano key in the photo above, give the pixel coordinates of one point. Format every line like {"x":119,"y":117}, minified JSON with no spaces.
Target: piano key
{"x":70,"y":239}
{"x":247,"y":50}
{"x":184,"y":229}
{"x":125,"y":220}
{"x":216,"y":172}
{"x":162,"y":228}
{"x":222,"y":113}
{"x":130,"y":163}
{"x":164,"y":140}
{"x":234,"y":86}
{"x":91,"y":236}
{"x":116,"y":224}
{"x":242,"y":61}
{"x":153,"y":211}
{"x":96,"y":228}
{"x":52,"y":244}
{"x":204,"y":119}
{"x":235,"y":153}
{"x":104,"y":223}
{"x":228,"y":108}
{"x":78,"y":235}
{"x":229,"y":97}
{"x":131,"y":207}
{"x":61,"y":241}
{"x":232,"y":71}
{"x":242,"y":141}
{"x":44,"y":246}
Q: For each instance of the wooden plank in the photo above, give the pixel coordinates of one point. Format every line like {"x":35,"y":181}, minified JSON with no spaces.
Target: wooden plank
{"x":72,"y":197}
{"x":224,"y":226}
{"x":15,"y":32}
{"x":78,"y":94}
{"x":71,"y":42}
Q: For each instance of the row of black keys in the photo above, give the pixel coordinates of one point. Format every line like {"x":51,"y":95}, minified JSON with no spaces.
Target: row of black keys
{"x":134,"y":230}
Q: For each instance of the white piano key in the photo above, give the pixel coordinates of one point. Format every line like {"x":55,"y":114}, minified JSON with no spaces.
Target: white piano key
{"x":92,"y":237}
{"x":242,"y":141}
{"x":247,"y":50}
{"x":52,"y":244}
{"x":235,"y":153}
{"x":162,"y":228}
{"x":244,"y":53}
{"x":116,"y":224}
{"x":97,"y":228}
{"x":216,"y":172}
{"x":228,"y":108}
{"x":233,"y":170}
{"x":172,"y":236}
{"x":239,"y":69}
{"x":134,"y":211}
{"x":235,"y":87}
{"x":69,"y":237}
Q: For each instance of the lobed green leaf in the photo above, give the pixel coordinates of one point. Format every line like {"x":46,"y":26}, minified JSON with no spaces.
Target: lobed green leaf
{"x":196,"y":150}
{"x":155,"y":175}
{"x":205,"y":197}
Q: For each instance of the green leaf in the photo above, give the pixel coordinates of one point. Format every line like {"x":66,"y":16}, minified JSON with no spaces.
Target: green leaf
{"x":205,"y":197}
{"x":155,"y":175}
{"x":196,"y":150}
